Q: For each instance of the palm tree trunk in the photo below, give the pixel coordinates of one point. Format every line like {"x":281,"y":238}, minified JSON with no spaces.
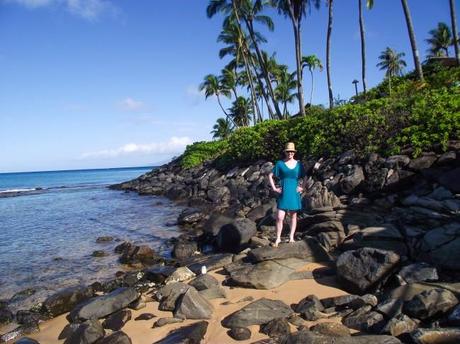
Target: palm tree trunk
{"x":453,"y":18}
{"x":312,"y":86}
{"x":263,"y":67}
{"x":298,"y":55}
{"x":363,"y":46}
{"x":261,"y":86}
{"x":328,"y":56}
{"x":389,"y":83}
{"x":410,"y":29}
{"x":299,"y":68}
{"x":226,"y":114}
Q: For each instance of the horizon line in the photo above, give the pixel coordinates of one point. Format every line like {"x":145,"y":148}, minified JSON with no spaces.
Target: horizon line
{"x":83,"y":169}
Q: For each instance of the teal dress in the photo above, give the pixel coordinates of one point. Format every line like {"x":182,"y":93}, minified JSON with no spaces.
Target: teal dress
{"x":289,"y":198}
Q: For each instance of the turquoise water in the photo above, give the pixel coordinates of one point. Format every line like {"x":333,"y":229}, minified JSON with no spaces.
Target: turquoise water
{"x":48,"y":230}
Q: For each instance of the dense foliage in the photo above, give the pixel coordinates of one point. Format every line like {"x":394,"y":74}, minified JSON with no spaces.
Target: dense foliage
{"x":199,"y":152}
{"x":416,"y":115}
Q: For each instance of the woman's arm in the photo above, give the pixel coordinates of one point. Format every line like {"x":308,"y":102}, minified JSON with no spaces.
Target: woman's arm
{"x":272,"y":183}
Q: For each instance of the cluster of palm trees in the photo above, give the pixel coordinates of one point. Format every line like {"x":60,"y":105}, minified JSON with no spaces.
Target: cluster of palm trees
{"x":256,"y":82}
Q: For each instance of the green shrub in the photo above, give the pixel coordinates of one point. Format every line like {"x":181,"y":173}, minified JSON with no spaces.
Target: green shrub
{"x":198,"y":152}
{"x":417,"y":114}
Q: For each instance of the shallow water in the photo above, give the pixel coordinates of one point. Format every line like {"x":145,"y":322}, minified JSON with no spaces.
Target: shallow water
{"x":47,"y":236}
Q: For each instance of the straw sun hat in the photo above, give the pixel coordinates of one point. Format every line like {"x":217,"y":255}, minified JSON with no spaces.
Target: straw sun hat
{"x":290,"y":147}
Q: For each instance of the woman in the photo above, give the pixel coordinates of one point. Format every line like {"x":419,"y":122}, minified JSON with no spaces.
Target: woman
{"x":288,"y":171}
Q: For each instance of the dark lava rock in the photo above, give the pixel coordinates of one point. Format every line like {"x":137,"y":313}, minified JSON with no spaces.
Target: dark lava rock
{"x":118,"y":337}
{"x":184,"y":249}
{"x":158,"y":273}
{"x":364,"y":269}
{"x":215,"y":222}
{"x":331,"y":329}
{"x":400,"y":324}
{"x":99,"y":253}
{"x":308,"y":248}
{"x":191,"y":305}
{"x":204,"y":282}
{"x":363,"y":319}
{"x":430,"y":303}
{"x":166,"y":321}
{"x":239,"y":333}
{"x":390,"y":307}
{"x":87,"y":333}
{"x":132,"y":254}
{"x":212,"y":262}
{"x":169,"y":294}
{"x":436,"y":336}
{"x":28,"y":318}
{"x":68,"y":330}
{"x":418,"y":272}
{"x":310,"y":308}
{"x":450,"y":180}
{"x":6,"y":316}
{"x":145,"y":316}
{"x":26,"y":340}
{"x":257,"y":313}
{"x":309,"y":337}
{"x":192,"y":334}
{"x":276,"y":328}
{"x":104,"y":239}
{"x":454,"y":317}
{"x":101,"y":306}
{"x":65,"y":300}
{"x":117,"y":320}
{"x":236,"y":233}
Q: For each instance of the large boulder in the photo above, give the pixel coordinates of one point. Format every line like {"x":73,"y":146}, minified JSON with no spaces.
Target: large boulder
{"x":87,"y":333}
{"x":264,"y":275}
{"x":65,"y":300}
{"x":104,"y":305}
{"x":430,"y":303}
{"x":441,"y":246}
{"x":184,"y":249}
{"x":191,"y":305}
{"x":353,"y":179}
{"x":365,"y":269}
{"x":118,"y":337}
{"x":308,"y":249}
{"x":256,"y":313}
{"x":212,"y":262}
{"x":169,"y":294}
{"x":436,"y":336}
{"x":450,"y":180}
{"x":135,"y":254}
{"x":236,"y":233}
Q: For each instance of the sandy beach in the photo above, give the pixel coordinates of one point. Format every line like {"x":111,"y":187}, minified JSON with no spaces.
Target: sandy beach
{"x":141,"y":331}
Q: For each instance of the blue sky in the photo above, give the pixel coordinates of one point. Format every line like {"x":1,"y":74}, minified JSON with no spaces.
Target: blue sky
{"x":108,"y":83}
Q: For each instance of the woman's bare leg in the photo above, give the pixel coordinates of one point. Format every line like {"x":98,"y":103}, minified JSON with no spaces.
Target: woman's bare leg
{"x":280,"y":214}
{"x":293,"y":225}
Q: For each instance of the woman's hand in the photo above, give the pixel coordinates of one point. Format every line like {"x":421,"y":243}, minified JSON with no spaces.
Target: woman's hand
{"x":278,"y":190}
{"x":299,"y":189}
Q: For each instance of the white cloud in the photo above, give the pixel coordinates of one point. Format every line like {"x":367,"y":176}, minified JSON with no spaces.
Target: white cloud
{"x":87,"y":9}
{"x":173,"y":146}
{"x":194,"y":95}
{"x":130,"y":104}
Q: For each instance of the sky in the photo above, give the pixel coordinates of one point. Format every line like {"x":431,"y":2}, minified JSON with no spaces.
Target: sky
{"x":114,"y":83}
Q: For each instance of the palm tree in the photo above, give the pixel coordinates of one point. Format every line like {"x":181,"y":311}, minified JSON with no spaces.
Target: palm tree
{"x":413,"y":43}
{"x":392,"y":62}
{"x":328,"y":54}
{"x":240,"y":111}
{"x":312,"y":62}
{"x":235,"y":37}
{"x":296,"y":10}
{"x":212,"y":87}
{"x":355,"y":82}
{"x":229,"y":80}
{"x":222,"y":129}
{"x":453,"y":18}
{"x":284,"y":91}
{"x":440,"y":40}
{"x":250,"y":12}
{"x":369,"y":5}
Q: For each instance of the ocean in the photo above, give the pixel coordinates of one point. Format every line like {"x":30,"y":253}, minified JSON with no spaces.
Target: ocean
{"x":49,"y":223}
